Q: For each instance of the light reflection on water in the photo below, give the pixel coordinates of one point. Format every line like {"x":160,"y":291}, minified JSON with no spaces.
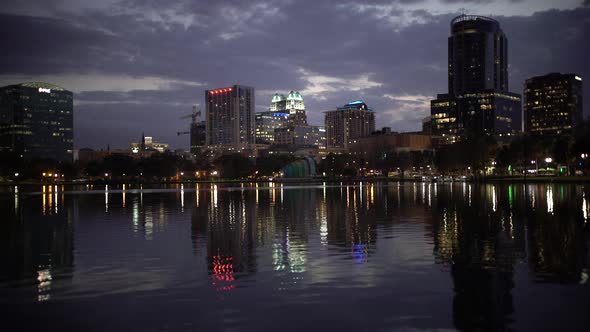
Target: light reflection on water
{"x":476,"y":251}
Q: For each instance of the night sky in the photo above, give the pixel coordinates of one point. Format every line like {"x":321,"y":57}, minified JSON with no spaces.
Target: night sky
{"x":139,"y":65}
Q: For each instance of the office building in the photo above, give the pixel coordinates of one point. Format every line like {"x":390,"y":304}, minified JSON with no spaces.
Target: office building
{"x":478,"y":101}
{"x":37,"y":121}
{"x":291,"y":104}
{"x":348,"y":122}
{"x":148,"y":145}
{"x":301,"y":136}
{"x":552,"y":104}
{"x":266,"y":123}
{"x":230,"y":123}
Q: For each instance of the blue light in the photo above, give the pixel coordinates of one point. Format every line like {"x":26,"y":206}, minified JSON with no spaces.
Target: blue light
{"x":285,"y":115}
{"x":356,"y":102}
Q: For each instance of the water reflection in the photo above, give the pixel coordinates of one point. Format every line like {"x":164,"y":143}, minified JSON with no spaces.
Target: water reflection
{"x":37,"y":244}
{"x":461,"y":244}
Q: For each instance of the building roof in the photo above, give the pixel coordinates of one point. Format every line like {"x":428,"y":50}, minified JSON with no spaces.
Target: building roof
{"x":278,"y":97}
{"x":295,"y":96}
{"x":43,"y":85}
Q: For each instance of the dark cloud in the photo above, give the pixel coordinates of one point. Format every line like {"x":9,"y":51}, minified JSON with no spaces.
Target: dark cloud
{"x":393,"y":57}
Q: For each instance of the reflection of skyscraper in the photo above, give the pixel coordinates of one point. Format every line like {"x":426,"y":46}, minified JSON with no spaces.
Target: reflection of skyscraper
{"x":478,"y":101}
{"x":557,"y":248}
{"x":231,"y":239}
{"x":481,"y":244}
{"x":351,"y":222}
{"x":39,"y":247}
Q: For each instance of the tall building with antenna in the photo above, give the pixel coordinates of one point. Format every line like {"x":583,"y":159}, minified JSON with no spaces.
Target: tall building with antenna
{"x":478,"y":101}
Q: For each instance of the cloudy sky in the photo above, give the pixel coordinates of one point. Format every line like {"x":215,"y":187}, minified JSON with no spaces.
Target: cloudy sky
{"x":139,"y":65}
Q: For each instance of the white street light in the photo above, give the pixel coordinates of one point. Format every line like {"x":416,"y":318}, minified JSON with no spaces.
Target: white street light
{"x":548,"y":159}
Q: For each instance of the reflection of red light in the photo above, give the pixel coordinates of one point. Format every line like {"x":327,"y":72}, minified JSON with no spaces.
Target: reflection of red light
{"x":223,"y":273}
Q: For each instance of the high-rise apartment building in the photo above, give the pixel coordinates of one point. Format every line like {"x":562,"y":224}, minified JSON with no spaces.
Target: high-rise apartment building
{"x":37,"y":121}
{"x":230,"y":118}
{"x":348,"y":122}
{"x":552,"y":104}
{"x":478,"y":101}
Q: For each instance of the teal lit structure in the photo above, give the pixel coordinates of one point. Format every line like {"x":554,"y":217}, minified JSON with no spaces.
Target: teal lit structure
{"x":301,"y":168}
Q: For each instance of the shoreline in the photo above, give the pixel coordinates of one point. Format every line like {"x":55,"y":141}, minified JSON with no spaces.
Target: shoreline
{"x":488,"y":179}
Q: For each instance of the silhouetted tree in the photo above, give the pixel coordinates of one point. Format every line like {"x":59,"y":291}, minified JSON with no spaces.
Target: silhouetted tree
{"x":234,"y":166}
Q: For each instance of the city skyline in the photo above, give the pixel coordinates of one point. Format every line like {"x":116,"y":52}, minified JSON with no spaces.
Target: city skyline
{"x":144,"y":75}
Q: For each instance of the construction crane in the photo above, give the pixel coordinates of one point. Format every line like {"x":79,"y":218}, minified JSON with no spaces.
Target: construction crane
{"x":196,"y":113}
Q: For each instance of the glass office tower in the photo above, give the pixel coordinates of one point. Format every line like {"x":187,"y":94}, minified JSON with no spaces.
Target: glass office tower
{"x":37,"y":121}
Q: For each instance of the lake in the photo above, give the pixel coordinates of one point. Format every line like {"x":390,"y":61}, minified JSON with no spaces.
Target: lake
{"x":383,"y":256}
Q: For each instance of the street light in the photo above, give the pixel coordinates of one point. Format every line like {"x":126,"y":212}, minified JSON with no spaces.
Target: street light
{"x":548,"y":159}
{"x":16,"y":175}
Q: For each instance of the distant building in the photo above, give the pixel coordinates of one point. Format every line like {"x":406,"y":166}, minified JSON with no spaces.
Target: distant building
{"x":37,"y":121}
{"x":266,"y":123}
{"x":86,"y":155}
{"x":147,"y":145}
{"x":478,"y":101}
{"x":291,"y":104}
{"x":198,"y":135}
{"x":301,"y":136}
{"x":392,"y":141}
{"x":348,"y":122}
{"x":553,"y":103}
{"x":379,"y":145}
{"x":230,"y":123}
{"x":427,"y":125}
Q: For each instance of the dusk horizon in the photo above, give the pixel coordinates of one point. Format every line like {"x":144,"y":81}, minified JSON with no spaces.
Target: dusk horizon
{"x":138,"y":67}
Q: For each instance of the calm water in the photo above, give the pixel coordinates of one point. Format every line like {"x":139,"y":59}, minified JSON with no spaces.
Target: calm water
{"x":384,"y":256}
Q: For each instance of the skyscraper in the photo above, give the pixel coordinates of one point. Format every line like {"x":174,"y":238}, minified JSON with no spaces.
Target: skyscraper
{"x":478,"y":55}
{"x":348,"y":122}
{"x":230,"y":117}
{"x":293,"y":105}
{"x":37,"y":121}
{"x":478,"y":101}
{"x":553,"y":103}
{"x":266,"y":123}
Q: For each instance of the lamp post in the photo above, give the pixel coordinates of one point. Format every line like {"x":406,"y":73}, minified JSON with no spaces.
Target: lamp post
{"x":548,"y":160}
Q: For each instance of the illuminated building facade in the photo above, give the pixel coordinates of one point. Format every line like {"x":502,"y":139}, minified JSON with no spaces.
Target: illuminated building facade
{"x":266,"y":123}
{"x":230,"y":122}
{"x":348,"y":122}
{"x":552,"y":103}
{"x":37,"y":121}
{"x":148,"y":144}
{"x":478,"y":101}
{"x":291,"y":104}
{"x":301,"y":136}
